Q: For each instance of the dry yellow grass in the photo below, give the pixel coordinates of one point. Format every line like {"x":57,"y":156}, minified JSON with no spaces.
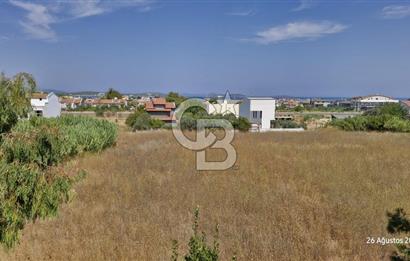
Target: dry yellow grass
{"x":292,"y":196}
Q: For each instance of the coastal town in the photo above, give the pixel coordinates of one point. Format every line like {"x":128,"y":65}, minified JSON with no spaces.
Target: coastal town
{"x":264,"y":113}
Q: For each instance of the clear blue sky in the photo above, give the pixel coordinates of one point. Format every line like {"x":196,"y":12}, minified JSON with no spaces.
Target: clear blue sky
{"x":301,"y":48}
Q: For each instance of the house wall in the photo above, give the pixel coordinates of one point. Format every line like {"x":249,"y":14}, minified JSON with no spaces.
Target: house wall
{"x":52,"y":107}
{"x":266,"y":105}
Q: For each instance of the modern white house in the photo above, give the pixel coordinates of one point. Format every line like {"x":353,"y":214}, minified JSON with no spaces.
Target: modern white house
{"x":224,"y":106}
{"x":46,"y":105}
{"x":371,"y":102}
{"x":260,"y":111}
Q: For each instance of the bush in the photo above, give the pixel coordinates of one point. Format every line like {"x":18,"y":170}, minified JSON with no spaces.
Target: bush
{"x":390,"y":117}
{"x":142,"y":122}
{"x":399,"y":223}
{"x":130,"y":121}
{"x":28,"y":188}
{"x":156,"y":123}
{"x":285,"y":124}
{"x":241,"y":124}
{"x":47,"y":142}
{"x":391,"y":109}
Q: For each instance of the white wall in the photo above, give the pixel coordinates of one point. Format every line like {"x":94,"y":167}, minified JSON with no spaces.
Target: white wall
{"x":265,"y":104}
{"x":50,"y":107}
{"x":378,"y":98}
{"x":53,"y":106}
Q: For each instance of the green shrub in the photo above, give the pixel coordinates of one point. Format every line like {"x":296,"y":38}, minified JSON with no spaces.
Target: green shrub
{"x":130,"y":121}
{"x":285,"y":124}
{"x":386,"y":118}
{"x":142,"y":122}
{"x":47,"y":142}
{"x":28,"y":188}
{"x":397,"y":124}
{"x":398,"y":222}
{"x":198,"y":248}
{"x":156,"y":123}
{"x":241,"y":124}
{"x":27,"y":193}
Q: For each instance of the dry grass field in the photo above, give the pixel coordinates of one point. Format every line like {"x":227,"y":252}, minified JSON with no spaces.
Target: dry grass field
{"x":292,"y":196}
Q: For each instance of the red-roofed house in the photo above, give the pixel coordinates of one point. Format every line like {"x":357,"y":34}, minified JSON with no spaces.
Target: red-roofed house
{"x":159,"y":108}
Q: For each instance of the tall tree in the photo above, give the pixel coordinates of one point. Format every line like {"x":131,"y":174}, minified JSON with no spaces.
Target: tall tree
{"x":15,"y":96}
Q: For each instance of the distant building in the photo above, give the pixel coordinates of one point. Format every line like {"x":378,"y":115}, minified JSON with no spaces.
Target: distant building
{"x":70,"y":102}
{"x":288,"y":103}
{"x":159,"y":108}
{"x":320,"y":103}
{"x":105,"y":102}
{"x":260,"y":111}
{"x":370,"y":102}
{"x":224,"y":106}
{"x":46,"y":105}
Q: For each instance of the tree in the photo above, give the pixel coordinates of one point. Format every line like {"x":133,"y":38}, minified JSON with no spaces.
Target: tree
{"x":112,"y":94}
{"x":142,"y":122}
{"x":130,"y":121}
{"x":175,"y":97}
{"x":15,"y":96}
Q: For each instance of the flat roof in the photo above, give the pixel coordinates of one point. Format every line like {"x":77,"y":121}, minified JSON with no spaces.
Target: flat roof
{"x":260,"y":98}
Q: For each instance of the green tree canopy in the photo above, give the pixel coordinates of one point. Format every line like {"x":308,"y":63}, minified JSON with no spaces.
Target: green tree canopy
{"x":15,"y":96}
{"x":390,"y":109}
{"x":175,"y":97}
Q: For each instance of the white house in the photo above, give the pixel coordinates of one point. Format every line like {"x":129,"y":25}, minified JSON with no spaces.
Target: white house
{"x":46,"y":105}
{"x":371,"y":102}
{"x":224,"y":106}
{"x":259,"y":111}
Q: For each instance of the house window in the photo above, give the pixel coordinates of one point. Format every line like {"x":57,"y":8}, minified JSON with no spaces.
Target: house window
{"x":255,"y":114}
{"x":39,"y":113}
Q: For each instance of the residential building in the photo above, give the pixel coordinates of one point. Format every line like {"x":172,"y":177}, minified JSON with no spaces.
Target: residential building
{"x":223,"y":106}
{"x":46,"y":105}
{"x":370,"y":102}
{"x":320,"y":103}
{"x":159,"y":108}
{"x":70,"y":102}
{"x":105,"y":102}
{"x":260,"y":111}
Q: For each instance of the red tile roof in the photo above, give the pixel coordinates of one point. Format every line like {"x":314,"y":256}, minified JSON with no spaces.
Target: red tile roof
{"x":151,"y":105}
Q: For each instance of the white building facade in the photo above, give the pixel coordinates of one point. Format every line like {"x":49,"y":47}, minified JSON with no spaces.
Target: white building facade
{"x":260,"y":111}
{"x":371,"y":102}
{"x":46,"y":105}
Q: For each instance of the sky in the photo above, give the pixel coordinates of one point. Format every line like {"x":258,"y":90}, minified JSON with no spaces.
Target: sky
{"x":297,"y":47}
